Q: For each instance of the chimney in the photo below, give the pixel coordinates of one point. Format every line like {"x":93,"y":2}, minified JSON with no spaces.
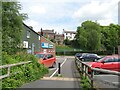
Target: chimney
{"x":52,"y":30}
{"x":31,"y":27}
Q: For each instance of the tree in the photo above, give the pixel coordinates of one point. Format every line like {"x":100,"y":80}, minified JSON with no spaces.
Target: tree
{"x":66,"y":41}
{"x":12,"y":26}
{"x":111,"y":36}
{"x":88,"y":36}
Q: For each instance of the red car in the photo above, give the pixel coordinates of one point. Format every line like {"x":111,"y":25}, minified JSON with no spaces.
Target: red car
{"x":107,"y":62}
{"x":47,"y":59}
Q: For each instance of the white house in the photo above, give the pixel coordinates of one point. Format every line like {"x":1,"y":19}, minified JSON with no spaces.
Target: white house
{"x":69,"y":34}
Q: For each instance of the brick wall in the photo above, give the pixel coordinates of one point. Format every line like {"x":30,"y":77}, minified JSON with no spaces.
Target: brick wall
{"x":47,"y":50}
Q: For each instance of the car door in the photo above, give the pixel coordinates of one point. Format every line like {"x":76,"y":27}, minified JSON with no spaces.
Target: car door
{"x":46,"y":61}
{"x":117,"y":64}
{"x":50,"y":60}
{"x":108,"y":64}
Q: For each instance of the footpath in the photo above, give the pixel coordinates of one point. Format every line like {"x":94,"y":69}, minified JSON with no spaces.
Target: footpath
{"x":69,"y":78}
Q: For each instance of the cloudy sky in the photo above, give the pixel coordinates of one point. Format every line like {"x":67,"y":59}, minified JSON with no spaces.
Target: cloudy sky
{"x":68,"y":14}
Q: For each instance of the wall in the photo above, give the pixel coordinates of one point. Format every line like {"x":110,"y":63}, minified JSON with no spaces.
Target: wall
{"x":47,"y":49}
{"x":33,"y":39}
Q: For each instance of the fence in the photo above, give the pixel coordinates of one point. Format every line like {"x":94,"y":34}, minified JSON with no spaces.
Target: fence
{"x":83,"y":68}
{"x":8,"y":68}
{"x":73,"y":52}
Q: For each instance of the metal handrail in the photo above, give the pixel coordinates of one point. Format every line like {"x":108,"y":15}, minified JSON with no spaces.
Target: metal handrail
{"x":9,"y":66}
{"x":83,"y":68}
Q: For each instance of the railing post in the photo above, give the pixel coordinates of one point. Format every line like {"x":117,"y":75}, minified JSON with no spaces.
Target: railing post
{"x":82,"y":68}
{"x":92,"y":76}
{"x":8,"y":70}
{"x":84,"y":71}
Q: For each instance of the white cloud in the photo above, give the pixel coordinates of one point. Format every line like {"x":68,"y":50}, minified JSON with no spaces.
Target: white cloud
{"x":37,"y":10}
{"x":53,"y":1}
{"x":56,"y":14}
{"x":34,"y":24}
{"x":103,"y":12}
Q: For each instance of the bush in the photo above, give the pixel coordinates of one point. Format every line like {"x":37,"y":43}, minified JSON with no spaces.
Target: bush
{"x":24,"y":73}
{"x":85,"y":83}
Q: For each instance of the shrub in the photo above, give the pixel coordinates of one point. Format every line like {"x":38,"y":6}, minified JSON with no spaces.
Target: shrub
{"x":24,"y":73}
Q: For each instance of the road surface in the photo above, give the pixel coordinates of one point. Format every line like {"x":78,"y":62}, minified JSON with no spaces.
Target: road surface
{"x":70,"y":77}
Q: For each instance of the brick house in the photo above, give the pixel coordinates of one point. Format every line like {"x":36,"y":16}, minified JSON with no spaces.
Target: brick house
{"x":46,"y":46}
{"x":48,"y":34}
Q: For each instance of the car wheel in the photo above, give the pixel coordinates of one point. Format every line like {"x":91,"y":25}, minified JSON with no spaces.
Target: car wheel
{"x":97,"y":72}
{"x":54,"y":65}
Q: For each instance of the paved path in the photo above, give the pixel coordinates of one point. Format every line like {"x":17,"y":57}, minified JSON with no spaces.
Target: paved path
{"x":113,"y":79}
{"x":70,"y":77}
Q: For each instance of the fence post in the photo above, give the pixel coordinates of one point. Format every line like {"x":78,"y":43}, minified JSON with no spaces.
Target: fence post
{"x":92,"y":76}
{"x":82,"y":68}
{"x":9,"y":70}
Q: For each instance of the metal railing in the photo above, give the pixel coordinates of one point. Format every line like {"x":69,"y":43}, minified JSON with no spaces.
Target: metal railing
{"x":9,"y":67}
{"x":83,"y":69}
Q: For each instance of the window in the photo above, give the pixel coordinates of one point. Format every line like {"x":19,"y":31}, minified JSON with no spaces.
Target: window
{"x":40,"y":55}
{"x":25,"y":44}
{"x":117,"y":59}
{"x":49,"y":56}
{"x":28,"y":34}
{"x":109,"y":60}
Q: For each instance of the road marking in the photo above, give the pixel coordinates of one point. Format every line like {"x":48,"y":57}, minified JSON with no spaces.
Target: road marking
{"x":58,"y":68}
{"x":63,"y":62}
{"x":52,"y":69}
{"x":61,"y":79}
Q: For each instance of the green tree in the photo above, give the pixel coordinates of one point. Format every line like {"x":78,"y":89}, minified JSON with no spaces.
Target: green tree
{"x":66,"y":41}
{"x":88,"y":36}
{"x":12,"y":26}
{"x":110,"y":36}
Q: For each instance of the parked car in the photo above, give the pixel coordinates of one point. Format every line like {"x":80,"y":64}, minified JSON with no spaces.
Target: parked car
{"x":79,"y":55}
{"x":87,"y":57}
{"x":107,"y":62}
{"x":47,"y":59}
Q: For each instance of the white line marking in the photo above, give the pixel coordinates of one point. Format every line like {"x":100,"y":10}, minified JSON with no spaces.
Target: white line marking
{"x":63,"y":62}
{"x":52,"y":69}
{"x":58,"y":68}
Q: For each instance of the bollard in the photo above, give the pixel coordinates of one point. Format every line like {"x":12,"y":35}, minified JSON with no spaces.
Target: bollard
{"x":59,"y":69}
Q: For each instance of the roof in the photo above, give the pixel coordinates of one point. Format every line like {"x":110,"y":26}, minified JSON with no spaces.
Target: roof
{"x":62,"y":35}
{"x":69,"y":32}
{"x":48,"y":31}
{"x":31,"y":29}
{"x":48,"y":40}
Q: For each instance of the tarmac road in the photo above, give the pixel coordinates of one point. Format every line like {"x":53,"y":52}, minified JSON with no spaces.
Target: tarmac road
{"x":70,"y":77}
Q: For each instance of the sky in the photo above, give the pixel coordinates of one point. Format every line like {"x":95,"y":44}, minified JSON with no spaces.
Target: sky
{"x":68,"y":14}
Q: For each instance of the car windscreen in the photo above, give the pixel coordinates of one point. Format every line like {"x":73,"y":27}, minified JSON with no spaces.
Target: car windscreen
{"x":40,"y":55}
{"x":78,"y":54}
{"x":99,"y":60}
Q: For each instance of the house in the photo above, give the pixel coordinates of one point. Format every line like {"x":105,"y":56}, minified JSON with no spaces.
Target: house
{"x":59,"y":39}
{"x":48,"y":34}
{"x":34,"y":42}
{"x":69,"y":34}
{"x":46,"y":46}
{"x":30,"y":39}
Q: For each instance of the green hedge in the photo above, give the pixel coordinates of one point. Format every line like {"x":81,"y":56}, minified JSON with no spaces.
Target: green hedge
{"x":26,"y":73}
{"x":66,"y":52}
